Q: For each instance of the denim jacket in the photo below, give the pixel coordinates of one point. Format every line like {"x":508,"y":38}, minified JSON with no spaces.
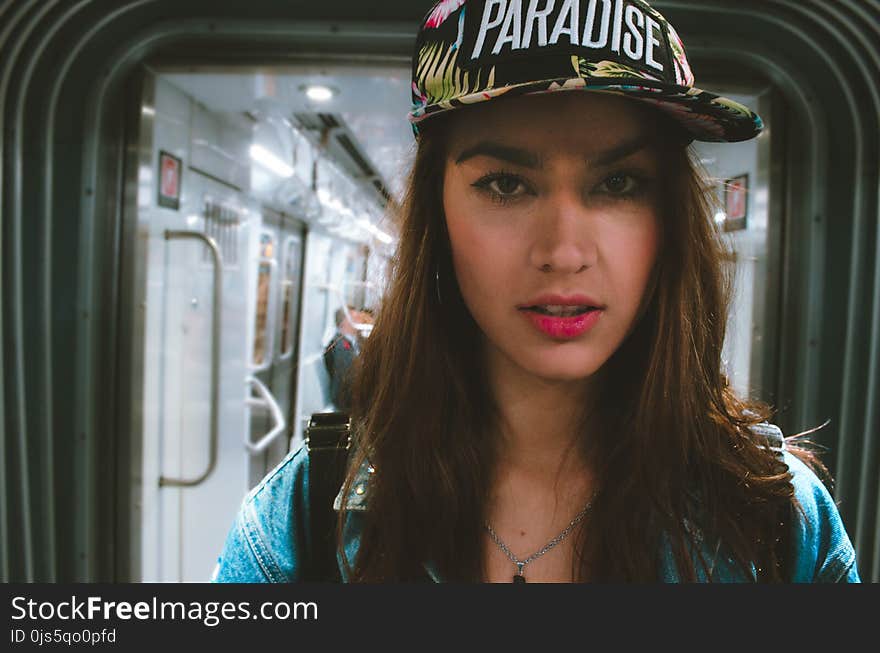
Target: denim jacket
{"x":267,"y":540}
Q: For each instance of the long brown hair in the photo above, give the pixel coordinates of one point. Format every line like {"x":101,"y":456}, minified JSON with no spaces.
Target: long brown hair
{"x":674,"y":441}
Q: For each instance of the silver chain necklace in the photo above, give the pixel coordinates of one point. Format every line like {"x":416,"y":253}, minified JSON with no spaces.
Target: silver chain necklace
{"x":518,"y":576}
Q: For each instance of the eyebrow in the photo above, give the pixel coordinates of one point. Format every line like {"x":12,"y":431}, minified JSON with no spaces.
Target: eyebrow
{"x":529,"y":159}
{"x":515,"y":155}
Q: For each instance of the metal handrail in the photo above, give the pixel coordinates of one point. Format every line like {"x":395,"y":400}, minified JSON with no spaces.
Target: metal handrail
{"x":164,"y":481}
{"x":268,"y":401}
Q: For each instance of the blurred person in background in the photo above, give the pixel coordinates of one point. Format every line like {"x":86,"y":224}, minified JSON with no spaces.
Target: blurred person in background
{"x":339,"y":356}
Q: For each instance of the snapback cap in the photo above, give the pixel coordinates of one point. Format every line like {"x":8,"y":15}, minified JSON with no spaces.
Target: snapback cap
{"x":470,"y":51}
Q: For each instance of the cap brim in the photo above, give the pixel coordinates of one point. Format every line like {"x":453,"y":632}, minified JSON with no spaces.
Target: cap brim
{"x":704,"y":115}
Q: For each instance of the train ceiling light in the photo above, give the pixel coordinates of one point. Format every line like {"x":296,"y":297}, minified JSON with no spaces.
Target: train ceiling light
{"x":319,"y":92}
{"x":380,"y":235}
{"x":270,"y":161}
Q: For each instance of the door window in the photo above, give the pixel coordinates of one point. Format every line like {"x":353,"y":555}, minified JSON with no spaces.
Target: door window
{"x":264,"y":285}
{"x":288,"y":288}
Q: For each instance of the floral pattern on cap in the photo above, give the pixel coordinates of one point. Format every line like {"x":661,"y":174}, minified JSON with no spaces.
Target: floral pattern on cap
{"x":683,"y":73}
{"x":447,"y":74}
{"x":440,"y":79}
{"x":442,"y":10}
{"x":608,"y":69}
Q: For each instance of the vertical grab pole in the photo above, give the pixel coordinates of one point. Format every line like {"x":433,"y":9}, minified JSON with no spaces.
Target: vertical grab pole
{"x":215,"y":357}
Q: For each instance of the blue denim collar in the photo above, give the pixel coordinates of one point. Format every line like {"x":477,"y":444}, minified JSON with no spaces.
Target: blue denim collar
{"x":357,"y":503}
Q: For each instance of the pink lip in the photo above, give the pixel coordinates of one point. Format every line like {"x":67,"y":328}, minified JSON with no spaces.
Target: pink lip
{"x":564,"y":328}
{"x":562,"y":300}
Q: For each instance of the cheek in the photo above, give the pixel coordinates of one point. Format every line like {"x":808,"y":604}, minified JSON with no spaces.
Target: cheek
{"x":637,"y":251}
{"x":481,"y":247}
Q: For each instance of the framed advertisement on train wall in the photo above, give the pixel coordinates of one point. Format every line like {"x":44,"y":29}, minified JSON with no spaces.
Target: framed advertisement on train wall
{"x":170,"y":172}
{"x":736,"y":202}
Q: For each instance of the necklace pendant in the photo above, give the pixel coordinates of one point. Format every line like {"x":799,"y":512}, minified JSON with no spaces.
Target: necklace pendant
{"x":519,"y":578}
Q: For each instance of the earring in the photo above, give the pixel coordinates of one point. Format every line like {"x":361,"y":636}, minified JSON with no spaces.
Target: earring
{"x":437,"y":284}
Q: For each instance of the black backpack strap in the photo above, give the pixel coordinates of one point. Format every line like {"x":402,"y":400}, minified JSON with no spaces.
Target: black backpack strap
{"x":328,"y":438}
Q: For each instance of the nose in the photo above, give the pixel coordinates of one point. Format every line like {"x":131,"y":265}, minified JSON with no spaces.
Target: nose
{"x":564,"y":239}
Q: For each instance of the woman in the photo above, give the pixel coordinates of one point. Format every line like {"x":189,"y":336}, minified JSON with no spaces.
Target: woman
{"x":542,"y":396}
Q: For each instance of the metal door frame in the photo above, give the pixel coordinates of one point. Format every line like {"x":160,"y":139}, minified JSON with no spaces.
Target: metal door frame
{"x":64,"y":70}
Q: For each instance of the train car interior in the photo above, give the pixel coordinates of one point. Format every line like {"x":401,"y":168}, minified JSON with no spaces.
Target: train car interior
{"x":296,"y":193}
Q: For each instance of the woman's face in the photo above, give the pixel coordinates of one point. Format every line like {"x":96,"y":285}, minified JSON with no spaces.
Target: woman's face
{"x":551,"y":203}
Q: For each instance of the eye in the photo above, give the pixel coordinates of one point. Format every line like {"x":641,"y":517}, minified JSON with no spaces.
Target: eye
{"x":620,"y":184}
{"x":503,"y":186}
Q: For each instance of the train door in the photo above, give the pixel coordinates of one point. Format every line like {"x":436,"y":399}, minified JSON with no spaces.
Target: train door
{"x":277,"y":266}
{"x":200,"y":412}
{"x":258,"y":221}
{"x":201,"y":230}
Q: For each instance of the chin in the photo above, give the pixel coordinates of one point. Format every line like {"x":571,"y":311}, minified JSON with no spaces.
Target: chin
{"x":562,"y":368}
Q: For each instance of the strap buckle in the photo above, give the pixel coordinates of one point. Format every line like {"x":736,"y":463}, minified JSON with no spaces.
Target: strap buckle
{"x":328,"y":432}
